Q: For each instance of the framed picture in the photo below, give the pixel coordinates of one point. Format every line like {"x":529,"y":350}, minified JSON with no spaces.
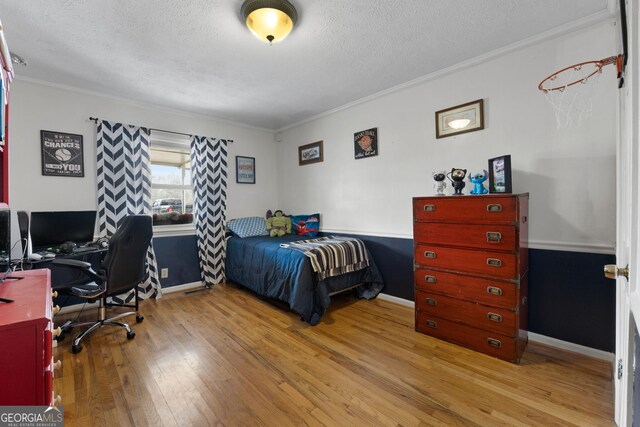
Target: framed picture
{"x":310,"y":153}
{"x":500,"y":174}
{"x":366,"y":143}
{"x":462,"y":118}
{"x":245,"y":170}
{"x":62,"y":154}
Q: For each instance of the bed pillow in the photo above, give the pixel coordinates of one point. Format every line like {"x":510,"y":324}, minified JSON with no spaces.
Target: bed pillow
{"x":305,"y":225}
{"x":248,"y":227}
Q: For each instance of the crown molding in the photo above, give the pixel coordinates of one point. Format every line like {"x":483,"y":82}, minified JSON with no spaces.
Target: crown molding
{"x":140,"y":104}
{"x":579,"y":24}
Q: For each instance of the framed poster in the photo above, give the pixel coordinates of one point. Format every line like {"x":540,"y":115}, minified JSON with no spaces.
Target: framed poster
{"x":500,"y":174}
{"x":62,"y":154}
{"x":245,"y":170}
{"x":310,"y":153}
{"x":462,"y":118}
{"x":366,"y":143}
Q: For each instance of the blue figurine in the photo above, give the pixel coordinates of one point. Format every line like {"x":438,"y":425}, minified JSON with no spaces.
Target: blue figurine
{"x":477,"y":179}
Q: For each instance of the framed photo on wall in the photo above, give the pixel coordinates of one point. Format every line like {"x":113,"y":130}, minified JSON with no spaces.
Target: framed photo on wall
{"x":500,"y":174}
{"x":245,"y":170}
{"x":366,"y":143}
{"x":462,"y":118}
{"x":310,"y":153}
{"x":62,"y":154}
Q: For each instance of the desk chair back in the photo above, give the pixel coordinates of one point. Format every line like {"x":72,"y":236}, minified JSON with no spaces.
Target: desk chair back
{"x":125,"y":263}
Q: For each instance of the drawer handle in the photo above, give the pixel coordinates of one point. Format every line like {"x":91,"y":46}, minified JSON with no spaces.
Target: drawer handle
{"x":57,"y":332}
{"x":432,"y":324}
{"x":430,"y":208}
{"x":430,"y":279}
{"x":494,"y":342}
{"x":56,"y":309}
{"x":494,"y":236}
{"x":494,"y":208}
{"x":431,"y":301}
{"x":429,"y":254}
{"x":54,"y":294}
{"x":494,"y":317}
{"x":493,"y":290}
{"x":57,"y":364}
{"x":494,"y":262}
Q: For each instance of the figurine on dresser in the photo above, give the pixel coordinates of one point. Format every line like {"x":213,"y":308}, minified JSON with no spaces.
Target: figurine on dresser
{"x":477,"y":180}
{"x":439,"y":184}
{"x":456,"y":176}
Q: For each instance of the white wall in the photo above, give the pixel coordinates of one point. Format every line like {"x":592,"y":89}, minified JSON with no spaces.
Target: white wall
{"x":36,"y":107}
{"x":570,"y":174}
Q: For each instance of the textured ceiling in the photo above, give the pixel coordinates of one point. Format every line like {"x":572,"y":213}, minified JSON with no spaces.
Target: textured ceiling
{"x":197,"y":55}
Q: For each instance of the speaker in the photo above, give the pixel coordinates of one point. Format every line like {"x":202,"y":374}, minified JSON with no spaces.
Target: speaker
{"x":23,"y":224}
{"x":5,"y":232}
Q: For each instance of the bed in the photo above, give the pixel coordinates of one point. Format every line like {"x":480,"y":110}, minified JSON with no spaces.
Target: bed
{"x":271,"y":268}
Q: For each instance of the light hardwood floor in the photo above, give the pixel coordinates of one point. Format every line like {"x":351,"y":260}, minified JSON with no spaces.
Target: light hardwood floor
{"x":226,"y":357}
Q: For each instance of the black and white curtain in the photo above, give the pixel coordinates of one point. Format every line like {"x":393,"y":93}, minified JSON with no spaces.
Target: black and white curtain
{"x":124,"y":188}
{"x":209,"y":176}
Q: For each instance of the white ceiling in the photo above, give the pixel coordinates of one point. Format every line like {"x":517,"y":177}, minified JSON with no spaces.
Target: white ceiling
{"x":197,"y":55}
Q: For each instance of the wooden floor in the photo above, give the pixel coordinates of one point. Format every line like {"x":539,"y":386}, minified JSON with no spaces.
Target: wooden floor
{"x":225,"y":357}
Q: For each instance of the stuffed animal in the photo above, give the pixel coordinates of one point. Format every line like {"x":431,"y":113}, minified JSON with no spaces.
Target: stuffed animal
{"x":279,"y":224}
{"x":477,"y":179}
{"x":456,"y":176}
{"x":439,"y":184}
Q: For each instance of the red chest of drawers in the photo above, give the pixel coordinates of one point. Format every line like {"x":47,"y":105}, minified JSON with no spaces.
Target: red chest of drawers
{"x":471,"y":271}
{"x":26,"y":364}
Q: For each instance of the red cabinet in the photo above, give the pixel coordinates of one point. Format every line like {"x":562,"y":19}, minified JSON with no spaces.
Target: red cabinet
{"x":471,"y":271}
{"x":26,"y":364}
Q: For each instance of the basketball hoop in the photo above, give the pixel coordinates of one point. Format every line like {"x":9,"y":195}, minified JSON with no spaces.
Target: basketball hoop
{"x":575,"y":103}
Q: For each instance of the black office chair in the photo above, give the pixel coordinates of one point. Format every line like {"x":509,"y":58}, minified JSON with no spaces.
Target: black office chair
{"x":122,"y":270}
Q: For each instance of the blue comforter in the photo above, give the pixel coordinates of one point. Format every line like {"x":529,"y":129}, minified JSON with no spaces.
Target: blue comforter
{"x":260,"y":264}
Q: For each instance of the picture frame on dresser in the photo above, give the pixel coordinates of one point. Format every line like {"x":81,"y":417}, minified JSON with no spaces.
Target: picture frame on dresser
{"x":500,"y":175}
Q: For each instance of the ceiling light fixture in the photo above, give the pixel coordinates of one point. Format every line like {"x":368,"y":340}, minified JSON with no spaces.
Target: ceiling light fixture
{"x":459,"y":123}
{"x":270,"y":20}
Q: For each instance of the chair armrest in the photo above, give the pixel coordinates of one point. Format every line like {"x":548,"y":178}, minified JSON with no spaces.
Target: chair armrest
{"x":85,"y":267}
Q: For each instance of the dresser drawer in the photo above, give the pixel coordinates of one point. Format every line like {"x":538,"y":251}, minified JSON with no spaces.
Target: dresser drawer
{"x":490,"y":343}
{"x":489,"y":237}
{"x":466,"y":209}
{"x":476,"y":315}
{"x":484,"y":263}
{"x":484,"y":291}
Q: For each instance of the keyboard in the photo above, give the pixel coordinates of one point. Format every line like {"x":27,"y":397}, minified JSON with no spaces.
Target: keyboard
{"x":82,"y":249}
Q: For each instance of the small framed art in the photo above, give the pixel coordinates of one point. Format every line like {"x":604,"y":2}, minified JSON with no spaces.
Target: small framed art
{"x":310,"y":153}
{"x":462,"y":118}
{"x":500,"y":174}
{"x":62,"y":154}
{"x":366,"y":143}
{"x":245,"y":170}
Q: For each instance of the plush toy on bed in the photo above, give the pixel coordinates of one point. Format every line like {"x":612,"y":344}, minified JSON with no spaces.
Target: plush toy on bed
{"x":278,"y":224}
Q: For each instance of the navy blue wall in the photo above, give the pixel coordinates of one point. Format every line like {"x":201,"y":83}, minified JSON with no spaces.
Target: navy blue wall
{"x":180,"y":255}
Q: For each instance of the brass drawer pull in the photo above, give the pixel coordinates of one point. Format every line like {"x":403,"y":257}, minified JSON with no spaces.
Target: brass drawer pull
{"x":429,"y":254}
{"x":430,"y":279}
{"x":494,"y":262}
{"x":431,"y":301}
{"x":432,"y":324}
{"x":493,"y":290}
{"x":494,"y":342}
{"x":494,"y":236}
{"x":430,"y":208}
{"x":494,"y":317}
{"x":494,"y":208}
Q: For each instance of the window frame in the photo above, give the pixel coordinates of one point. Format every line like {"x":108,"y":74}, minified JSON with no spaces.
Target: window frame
{"x":157,"y":141}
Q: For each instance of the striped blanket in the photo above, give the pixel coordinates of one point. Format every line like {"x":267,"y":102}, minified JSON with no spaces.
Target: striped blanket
{"x":333,"y":255}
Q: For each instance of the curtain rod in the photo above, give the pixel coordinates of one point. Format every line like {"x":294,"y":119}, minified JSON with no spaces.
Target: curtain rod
{"x":95,"y":120}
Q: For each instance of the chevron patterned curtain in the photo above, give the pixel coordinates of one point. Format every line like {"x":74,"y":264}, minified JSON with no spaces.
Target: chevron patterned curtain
{"x":124,"y":188}
{"x":209,"y":175}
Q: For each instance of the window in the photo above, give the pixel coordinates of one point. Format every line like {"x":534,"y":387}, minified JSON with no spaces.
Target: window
{"x":171,"y":189}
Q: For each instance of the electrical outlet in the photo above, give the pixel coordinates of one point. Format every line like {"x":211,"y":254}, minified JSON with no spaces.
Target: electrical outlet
{"x":164,"y":273}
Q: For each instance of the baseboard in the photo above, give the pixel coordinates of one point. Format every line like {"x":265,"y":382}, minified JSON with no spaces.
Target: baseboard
{"x":552,"y":342}
{"x":575,"y":348}
{"x":183,"y":287}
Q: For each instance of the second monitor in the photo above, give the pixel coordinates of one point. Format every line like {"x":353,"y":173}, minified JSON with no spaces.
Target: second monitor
{"x":51,"y":229}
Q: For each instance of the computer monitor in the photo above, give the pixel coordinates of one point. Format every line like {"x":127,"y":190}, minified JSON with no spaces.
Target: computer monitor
{"x":5,"y":232}
{"x":51,"y":229}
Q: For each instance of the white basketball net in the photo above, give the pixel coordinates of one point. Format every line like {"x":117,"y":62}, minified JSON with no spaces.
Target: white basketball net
{"x":572,"y":102}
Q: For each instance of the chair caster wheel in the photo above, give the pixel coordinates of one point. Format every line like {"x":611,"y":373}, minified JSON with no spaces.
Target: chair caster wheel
{"x":60,"y":337}
{"x":131,"y":335}
{"x":139,"y":318}
{"x":76,"y":348}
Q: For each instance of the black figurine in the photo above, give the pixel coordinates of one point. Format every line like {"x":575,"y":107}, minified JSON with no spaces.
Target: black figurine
{"x":456,"y":176}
